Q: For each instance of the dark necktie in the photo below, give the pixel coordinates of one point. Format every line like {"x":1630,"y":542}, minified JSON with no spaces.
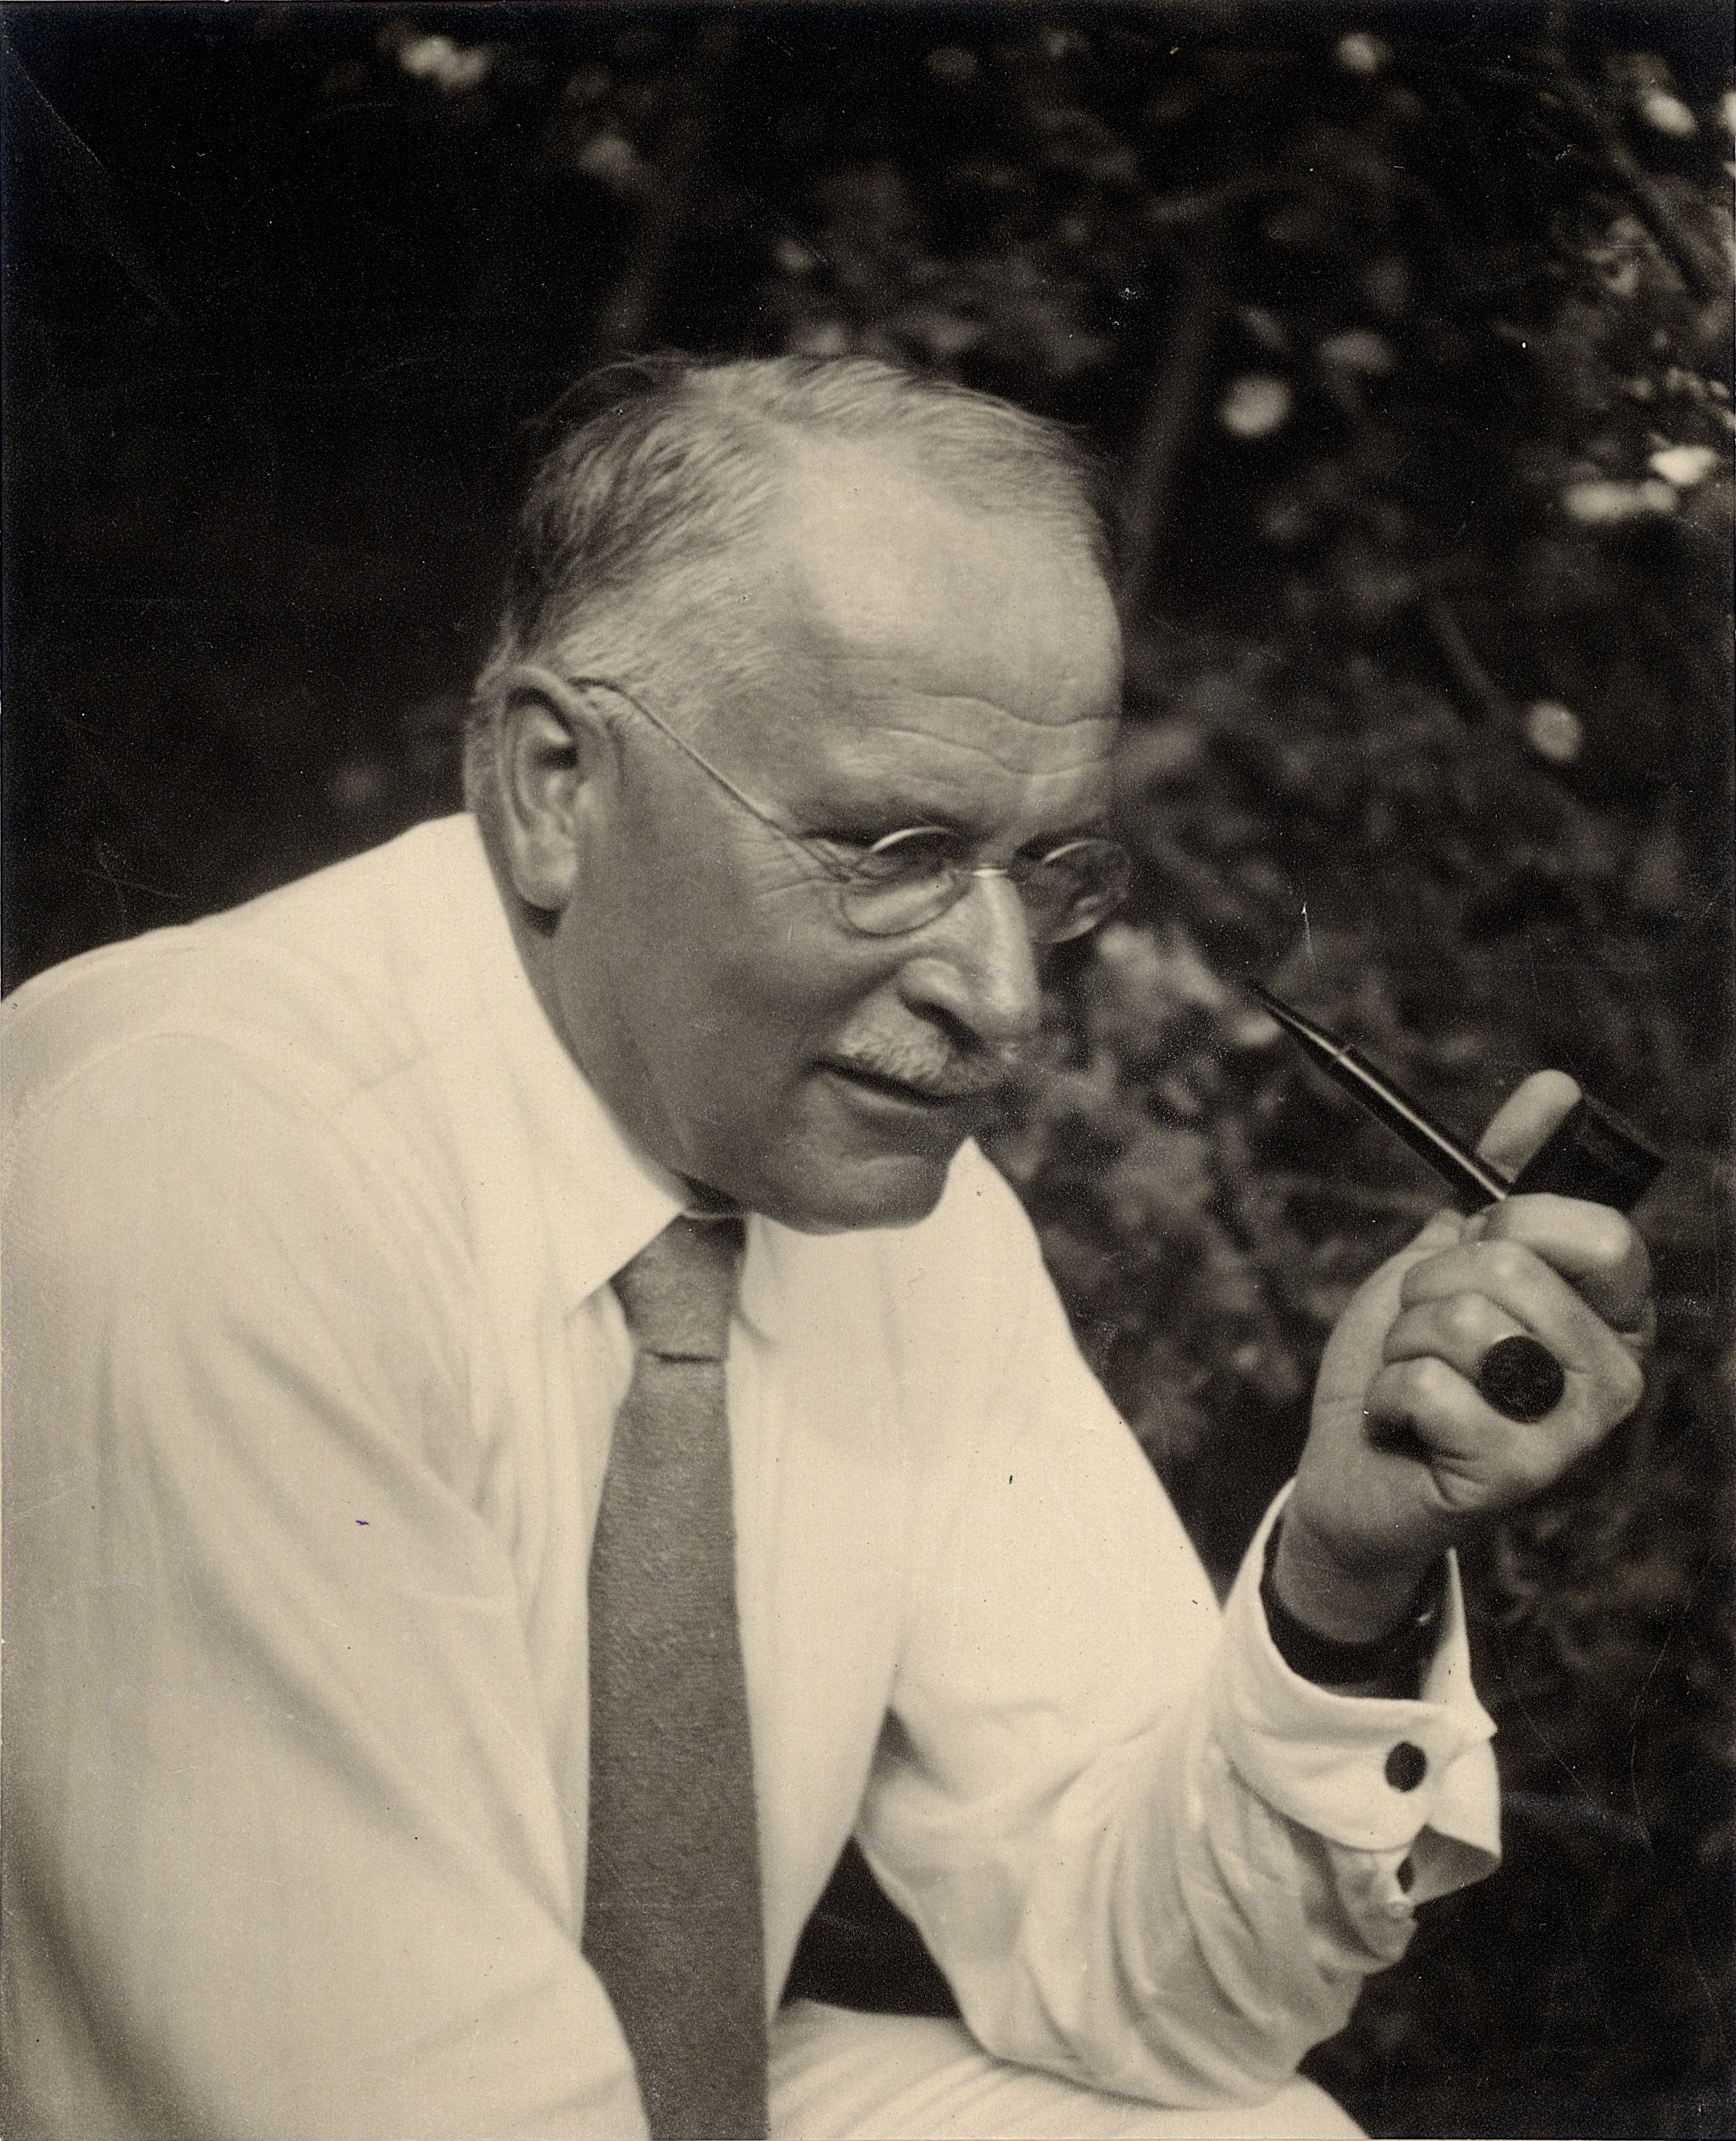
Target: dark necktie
{"x":672,"y":1908}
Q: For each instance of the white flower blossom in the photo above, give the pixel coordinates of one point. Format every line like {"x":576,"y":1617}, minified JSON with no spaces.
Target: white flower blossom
{"x":452,"y":68}
{"x":794,"y":257}
{"x":1359,"y":53}
{"x":1604,"y":503}
{"x":1357,"y":349}
{"x":1256,"y":404}
{"x":1668,"y":114}
{"x":1684,"y":466}
{"x":613,"y":161}
{"x":1553,"y":731}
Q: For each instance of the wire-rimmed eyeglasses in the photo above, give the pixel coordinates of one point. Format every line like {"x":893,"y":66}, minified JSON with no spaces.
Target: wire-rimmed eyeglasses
{"x":903,"y":881}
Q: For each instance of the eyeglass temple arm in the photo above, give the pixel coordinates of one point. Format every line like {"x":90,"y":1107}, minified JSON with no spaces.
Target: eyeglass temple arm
{"x":564,"y":689}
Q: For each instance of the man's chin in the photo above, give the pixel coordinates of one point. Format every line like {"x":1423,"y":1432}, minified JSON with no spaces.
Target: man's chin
{"x":842,"y":1195}
{"x":844,"y":1154}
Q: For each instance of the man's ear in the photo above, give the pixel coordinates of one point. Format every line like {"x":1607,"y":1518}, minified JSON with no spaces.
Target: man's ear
{"x":549,"y":745}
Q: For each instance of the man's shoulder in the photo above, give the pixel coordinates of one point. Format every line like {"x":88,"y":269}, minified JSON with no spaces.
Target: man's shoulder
{"x":316,"y":984}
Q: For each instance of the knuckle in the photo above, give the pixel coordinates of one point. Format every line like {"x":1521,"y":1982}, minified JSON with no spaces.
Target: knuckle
{"x":1609,"y":1242}
{"x":1464,"y":1320}
{"x":1389,"y":1394}
{"x":1432,"y":1384}
{"x":1627,"y":1384}
{"x":1404,"y":1334}
{"x":1508,"y":1263}
{"x":1495,"y":1222}
{"x":1416,"y":1287}
{"x":1394,"y":1393}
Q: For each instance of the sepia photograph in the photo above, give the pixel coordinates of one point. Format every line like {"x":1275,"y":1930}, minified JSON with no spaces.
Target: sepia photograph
{"x":865,"y":1074}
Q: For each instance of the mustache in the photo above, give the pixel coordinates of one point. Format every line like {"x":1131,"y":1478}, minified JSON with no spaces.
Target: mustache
{"x":945,"y":1074}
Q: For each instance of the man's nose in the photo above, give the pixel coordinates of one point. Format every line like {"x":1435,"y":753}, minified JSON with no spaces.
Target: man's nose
{"x":977,"y":967}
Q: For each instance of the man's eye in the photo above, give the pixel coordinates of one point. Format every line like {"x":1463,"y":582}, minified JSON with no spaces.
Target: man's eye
{"x":915,"y":853}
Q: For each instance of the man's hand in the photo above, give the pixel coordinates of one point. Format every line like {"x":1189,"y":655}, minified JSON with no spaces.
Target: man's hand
{"x":1404,"y":1457}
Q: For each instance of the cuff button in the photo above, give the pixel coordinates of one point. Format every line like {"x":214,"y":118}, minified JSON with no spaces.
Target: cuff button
{"x":1406,"y":1766}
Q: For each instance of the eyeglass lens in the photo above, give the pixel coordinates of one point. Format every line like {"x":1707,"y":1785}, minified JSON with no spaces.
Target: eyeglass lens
{"x":914,"y":878}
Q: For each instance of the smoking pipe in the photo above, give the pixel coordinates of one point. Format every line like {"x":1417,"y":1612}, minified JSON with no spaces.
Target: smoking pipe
{"x":1591,"y":1153}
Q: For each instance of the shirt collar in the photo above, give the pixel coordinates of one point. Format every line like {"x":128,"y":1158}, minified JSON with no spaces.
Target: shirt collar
{"x":605,"y":1200}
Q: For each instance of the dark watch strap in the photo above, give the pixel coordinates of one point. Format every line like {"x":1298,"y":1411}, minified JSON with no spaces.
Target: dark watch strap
{"x":1396,"y":1660}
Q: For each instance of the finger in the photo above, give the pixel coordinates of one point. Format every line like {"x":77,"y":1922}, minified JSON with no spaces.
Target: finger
{"x":1592,"y":1246}
{"x":1604,"y":1379}
{"x":1526,"y":1119}
{"x":1458,"y":1328}
{"x":1444,"y":1230}
{"x":1516,"y":1279}
{"x":1480,"y":1459}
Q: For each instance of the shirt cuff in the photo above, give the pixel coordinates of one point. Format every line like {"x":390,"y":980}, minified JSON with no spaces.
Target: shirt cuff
{"x":1367,"y":1772}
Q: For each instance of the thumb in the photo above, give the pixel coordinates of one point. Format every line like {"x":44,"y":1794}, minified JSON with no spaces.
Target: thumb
{"x":1526,"y":1118}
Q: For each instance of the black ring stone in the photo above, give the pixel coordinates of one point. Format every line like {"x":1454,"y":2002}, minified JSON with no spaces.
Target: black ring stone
{"x":1521,"y":1378}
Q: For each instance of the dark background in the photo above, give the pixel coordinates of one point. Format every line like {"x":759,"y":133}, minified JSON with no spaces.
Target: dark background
{"x":1404,"y":331}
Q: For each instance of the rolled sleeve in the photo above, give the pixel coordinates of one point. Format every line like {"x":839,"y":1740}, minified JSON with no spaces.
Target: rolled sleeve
{"x":1367,"y":1774}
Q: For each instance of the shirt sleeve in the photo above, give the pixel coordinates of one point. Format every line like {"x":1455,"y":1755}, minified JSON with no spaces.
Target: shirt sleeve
{"x":1147,"y":1854}
{"x":283,"y":1856}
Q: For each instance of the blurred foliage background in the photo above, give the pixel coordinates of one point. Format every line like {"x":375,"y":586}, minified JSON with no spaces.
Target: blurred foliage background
{"x":1403,"y":331}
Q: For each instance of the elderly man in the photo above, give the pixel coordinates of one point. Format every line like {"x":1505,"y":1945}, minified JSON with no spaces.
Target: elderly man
{"x":531,"y":1422}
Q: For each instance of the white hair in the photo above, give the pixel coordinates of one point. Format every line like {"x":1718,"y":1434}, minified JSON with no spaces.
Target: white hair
{"x":662,"y":466}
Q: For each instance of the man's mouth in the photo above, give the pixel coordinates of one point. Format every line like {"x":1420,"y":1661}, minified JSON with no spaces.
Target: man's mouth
{"x":934,"y":1094}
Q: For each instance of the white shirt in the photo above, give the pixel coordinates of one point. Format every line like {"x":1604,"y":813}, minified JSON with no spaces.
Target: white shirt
{"x":312,"y":1365}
